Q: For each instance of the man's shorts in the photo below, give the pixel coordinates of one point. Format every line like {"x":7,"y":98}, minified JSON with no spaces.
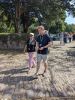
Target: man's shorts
{"x":41,"y":57}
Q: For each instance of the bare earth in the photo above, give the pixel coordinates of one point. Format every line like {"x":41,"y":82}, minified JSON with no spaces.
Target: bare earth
{"x":57,"y":84}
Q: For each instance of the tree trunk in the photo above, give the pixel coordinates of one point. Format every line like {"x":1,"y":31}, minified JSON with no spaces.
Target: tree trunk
{"x":17,"y":15}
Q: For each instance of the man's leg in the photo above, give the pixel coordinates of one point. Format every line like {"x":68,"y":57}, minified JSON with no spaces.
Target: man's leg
{"x":44,"y":57}
{"x":39,"y":58}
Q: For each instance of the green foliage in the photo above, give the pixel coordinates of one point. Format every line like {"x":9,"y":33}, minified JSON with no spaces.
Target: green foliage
{"x":49,"y":12}
{"x":6,"y":23}
{"x":33,"y":26}
{"x":70,"y":28}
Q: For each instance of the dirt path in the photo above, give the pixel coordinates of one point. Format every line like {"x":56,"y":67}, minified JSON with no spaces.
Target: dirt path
{"x":59,"y":81}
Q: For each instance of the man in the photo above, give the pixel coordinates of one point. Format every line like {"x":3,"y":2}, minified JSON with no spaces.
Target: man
{"x":43,"y":42}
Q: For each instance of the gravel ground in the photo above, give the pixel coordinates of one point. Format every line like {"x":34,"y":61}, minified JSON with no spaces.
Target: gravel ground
{"x":59,"y":81}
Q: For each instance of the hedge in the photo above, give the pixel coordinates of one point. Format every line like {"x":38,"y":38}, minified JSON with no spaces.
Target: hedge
{"x":14,"y":36}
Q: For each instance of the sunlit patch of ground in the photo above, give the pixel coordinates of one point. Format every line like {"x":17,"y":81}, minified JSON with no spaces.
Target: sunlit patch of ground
{"x":59,"y":81}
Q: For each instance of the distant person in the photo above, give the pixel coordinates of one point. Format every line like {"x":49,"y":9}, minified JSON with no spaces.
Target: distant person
{"x":31,"y":45}
{"x":70,"y":37}
{"x":65,"y":37}
{"x":61,"y":38}
{"x":43,"y":42}
{"x":73,"y":36}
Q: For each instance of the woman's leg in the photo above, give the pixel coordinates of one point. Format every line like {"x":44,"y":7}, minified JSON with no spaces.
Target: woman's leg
{"x":30,"y":60}
{"x":33,"y":60}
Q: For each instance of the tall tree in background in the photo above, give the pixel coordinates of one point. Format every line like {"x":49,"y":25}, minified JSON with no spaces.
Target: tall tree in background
{"x":70,"y":28}
{"x":46,"y":11}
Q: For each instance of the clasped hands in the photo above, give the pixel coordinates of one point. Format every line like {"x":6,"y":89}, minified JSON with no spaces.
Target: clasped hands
{"x":41,"y":48}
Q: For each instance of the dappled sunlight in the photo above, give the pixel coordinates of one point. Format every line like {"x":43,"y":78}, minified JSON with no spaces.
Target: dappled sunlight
{"x":17,"y":83}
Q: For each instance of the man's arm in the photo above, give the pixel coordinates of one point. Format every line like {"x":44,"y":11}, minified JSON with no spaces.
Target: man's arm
{"x":48,"y":45}
{"x":49,"y":42}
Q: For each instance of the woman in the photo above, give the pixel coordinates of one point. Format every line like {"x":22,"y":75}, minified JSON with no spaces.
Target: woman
{"x":31,"y":44}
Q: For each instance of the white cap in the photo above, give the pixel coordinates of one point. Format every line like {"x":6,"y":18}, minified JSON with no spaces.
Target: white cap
{"x":32,"y":34}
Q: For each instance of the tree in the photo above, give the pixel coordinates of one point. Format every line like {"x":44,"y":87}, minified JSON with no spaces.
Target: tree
{"x":46,"y":11}
{"x":70,"y":28}
{"x":6,"y":17}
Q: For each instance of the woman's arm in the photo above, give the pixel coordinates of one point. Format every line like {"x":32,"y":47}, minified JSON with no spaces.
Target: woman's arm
{"x":37,"y":46}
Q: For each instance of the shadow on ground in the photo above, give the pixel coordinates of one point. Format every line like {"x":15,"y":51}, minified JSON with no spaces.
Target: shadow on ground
{"x":71,"y":52}
{"x":14,"y":71}
{"x":11,"y":80}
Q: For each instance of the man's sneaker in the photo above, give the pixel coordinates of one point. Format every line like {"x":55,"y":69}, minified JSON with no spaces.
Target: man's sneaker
{"x":44,"y":73}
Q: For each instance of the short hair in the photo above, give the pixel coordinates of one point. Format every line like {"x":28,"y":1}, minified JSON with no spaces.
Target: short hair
{"x":40,"y":27}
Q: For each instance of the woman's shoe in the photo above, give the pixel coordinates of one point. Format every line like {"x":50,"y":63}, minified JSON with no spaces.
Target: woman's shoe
{"x":34,"y":66}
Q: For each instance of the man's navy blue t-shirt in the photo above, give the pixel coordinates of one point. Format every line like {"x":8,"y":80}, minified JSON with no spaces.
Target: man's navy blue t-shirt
{"x":43,"y":41}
